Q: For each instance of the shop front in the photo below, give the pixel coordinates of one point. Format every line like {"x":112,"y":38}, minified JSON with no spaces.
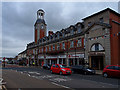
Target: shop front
{"x":76,"y":59}
{"x":96,"y":60}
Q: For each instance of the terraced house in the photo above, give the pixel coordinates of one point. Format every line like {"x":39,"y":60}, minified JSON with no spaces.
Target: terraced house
{"x":94,"y":42}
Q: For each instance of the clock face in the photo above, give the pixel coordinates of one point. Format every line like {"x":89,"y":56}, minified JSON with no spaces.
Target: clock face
{"x":42,"y":27}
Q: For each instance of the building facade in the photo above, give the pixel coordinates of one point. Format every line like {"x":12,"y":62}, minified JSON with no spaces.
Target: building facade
{"x":94,"y":42}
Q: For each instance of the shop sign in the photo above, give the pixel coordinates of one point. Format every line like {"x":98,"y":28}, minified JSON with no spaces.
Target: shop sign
{"x":51,"y":57}
{"x":40,"y":57}
{"x":62,"y":56}
{"x":76,"y":56}
{"x":97,"y":53}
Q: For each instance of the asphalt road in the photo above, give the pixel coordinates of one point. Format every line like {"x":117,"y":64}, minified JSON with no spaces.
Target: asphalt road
{"x":36,"y":77}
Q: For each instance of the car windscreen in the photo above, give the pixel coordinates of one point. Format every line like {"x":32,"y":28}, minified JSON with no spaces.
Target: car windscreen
{"x":62,"y":66}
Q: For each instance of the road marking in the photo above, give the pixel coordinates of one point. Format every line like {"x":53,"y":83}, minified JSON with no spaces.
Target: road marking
{"x":100,"y":82}
{"x":60,"y":85}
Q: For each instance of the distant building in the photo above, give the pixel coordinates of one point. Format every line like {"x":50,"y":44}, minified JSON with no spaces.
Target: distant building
{"x":94,"y":42}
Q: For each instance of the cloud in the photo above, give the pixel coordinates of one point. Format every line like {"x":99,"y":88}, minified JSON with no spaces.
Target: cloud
{"x":18,"y":20}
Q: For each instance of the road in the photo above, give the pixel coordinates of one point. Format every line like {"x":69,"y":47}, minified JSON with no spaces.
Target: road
{"x":31,"y":77}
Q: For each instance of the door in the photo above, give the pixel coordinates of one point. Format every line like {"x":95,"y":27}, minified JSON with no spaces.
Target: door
{"x":57,"y":69}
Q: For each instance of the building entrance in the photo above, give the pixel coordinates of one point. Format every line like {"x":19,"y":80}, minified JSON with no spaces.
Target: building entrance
{"x":97,"y":62}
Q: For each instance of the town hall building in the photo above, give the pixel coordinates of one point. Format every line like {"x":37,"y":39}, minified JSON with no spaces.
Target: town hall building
{"x":94,"y":42}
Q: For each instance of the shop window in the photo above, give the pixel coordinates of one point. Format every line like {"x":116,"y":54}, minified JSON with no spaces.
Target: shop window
{"x":71,"y":44}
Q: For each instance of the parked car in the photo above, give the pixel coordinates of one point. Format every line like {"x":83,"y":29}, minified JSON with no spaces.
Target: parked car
{"x":46,"y":66}
{"x":82,"y":69}
{"x":60,"y":68}
{"x":111,"y":71}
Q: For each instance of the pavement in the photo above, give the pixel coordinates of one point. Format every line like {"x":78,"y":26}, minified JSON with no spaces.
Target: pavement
{"x":99,"y":72}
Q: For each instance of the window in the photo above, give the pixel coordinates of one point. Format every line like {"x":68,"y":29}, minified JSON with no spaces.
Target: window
{"x":53,"y":47}
{"x":71,"y":44}
{"x":49,"y":48}
{"x":79,"y":30}
{"x":110,"y":67}
{"x":58,"y":35}
{"x":101,"y":19}
{"x":58,"y":46}
{"x":63,"y":34}
{"x":89,"y":23}
{"x":46,"y":49}
{"x":84,"y":42}
{"x":63,"y":45}
{"x":79,"y":44}
{"x":96,"y":47}
{"x":72,"y":32}
{"x":117,"y":68}
{"x":33,"y":51}
{"x":53,"y":65}
{"x":57,"y":66}
{"x":42,"y":49}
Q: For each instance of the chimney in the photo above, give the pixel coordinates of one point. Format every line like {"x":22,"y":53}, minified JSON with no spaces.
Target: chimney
{"x":50,"y":33}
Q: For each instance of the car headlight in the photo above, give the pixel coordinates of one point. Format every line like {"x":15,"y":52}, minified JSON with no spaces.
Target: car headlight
{"x":63,"y":69}
{"x":89,"y":70}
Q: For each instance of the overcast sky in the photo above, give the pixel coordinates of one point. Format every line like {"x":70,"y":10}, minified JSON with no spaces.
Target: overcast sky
{"x":18,"y":20}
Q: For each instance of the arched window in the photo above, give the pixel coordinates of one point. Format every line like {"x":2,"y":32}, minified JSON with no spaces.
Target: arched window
{"x":97,"y":47}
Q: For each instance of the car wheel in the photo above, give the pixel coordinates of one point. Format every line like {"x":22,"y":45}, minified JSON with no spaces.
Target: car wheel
{"x":60,"y":73}
{"x":105,"y":75}
{"x":51,"y":71}
{"x":85,"y":73}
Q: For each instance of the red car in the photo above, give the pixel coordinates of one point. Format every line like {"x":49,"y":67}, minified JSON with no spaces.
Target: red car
{"x":60,"y":68}
{"x":111,"y":71}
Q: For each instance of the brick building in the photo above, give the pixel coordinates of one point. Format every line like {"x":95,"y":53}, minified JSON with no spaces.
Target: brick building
{"x":94,"y":42}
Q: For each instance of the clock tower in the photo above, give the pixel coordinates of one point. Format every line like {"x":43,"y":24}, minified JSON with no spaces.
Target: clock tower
{"x":40,"y":26}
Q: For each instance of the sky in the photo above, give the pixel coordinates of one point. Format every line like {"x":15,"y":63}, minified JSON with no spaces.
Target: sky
{"x":18,"y":19}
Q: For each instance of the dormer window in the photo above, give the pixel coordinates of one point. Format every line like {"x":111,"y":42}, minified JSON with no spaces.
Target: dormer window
{"x":79,"y":30}
{"x":89,"y":23}
{"x":72,"y":32}
{"x":63,"y":34}
{"x":101,"y":19}
{"x":58,"y":35}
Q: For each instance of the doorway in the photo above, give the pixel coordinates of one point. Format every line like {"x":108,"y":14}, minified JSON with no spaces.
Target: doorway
{"x":97,"y":62}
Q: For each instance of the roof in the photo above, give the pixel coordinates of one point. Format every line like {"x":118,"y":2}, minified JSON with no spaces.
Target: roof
{"x":40,"y":10}
{"x":40,"y":21}
{"x":98,"y":23}
{"x":107,"y":9}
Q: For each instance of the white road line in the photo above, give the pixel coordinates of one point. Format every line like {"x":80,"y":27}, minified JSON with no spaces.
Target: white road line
{"x":60,"y":85}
